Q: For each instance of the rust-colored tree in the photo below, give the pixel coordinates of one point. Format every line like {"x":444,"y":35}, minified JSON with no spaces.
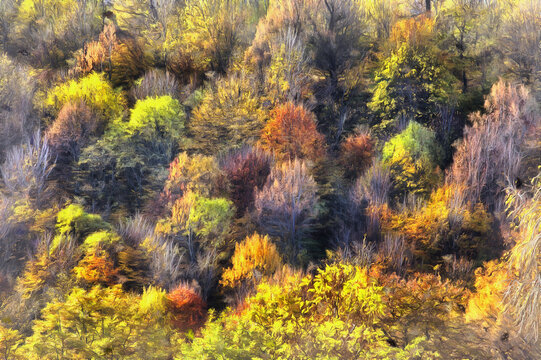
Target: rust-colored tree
{"x":292,"y":133}
{"x":187,"y":308}
{"x":356,"y":154}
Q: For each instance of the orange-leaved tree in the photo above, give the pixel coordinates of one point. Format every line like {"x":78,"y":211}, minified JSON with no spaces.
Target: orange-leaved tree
{"x":187,"y":307}
{"x":292,"y":132}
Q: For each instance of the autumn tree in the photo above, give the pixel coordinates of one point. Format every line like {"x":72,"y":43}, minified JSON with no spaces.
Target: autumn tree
{"x":229,"y":115}
{"x":49,"y":31}
{"x":130,"y":158}
{"x":155,"y":83}
{"x":356,"y":153}
{"x":447,"y":225}
{"x":292,"y":133}
{"x":524,"y":258}
{"x":199,"y":225}
{"x":96,"y":92}
{"x":96,"y":268}
{"x":196,"y":173}
{"x":10,"y":340}
{"x":412,"y":80}
{"x":116,"y":53}
{"x":187,"y":307}
{"x":16,"y":94}
{"x":333,"y":313}
{"x":102,"y":322}
{"x":72,"y":129}
{"x":247,"y":170}
{"x":26,"y":170}
{"x":155,"y":21}
{"x":286,"y":205}
{"x":518,"y":39}
{"x":254,"y":258}
{"x":210,"y":32}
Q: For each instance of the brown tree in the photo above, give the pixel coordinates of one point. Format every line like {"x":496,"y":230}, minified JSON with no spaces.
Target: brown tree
{"x":356,"y":153}
{"x":247,"y":170}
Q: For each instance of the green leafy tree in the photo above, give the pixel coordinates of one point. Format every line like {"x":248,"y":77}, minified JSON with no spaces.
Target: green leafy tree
{"x":413,"y":157}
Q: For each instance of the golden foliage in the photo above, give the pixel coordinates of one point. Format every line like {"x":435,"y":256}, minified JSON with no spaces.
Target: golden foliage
{"x":254,"y":257}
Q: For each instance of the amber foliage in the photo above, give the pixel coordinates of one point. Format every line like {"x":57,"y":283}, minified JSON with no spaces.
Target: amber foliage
{"x":292,"y":132}
{"x":254,"y":258}
{"x":96,"y":268}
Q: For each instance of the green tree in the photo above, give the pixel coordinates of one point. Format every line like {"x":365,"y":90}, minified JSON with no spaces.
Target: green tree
{"x":413,"y":157}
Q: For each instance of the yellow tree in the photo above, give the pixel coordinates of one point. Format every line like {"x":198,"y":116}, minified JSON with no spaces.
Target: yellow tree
{"x":255,"y":257}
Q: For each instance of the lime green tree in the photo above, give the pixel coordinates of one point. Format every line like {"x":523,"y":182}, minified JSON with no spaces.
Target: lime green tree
{"x":413,"y":157}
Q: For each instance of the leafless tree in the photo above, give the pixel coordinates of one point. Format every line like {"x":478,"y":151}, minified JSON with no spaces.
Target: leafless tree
{"x":156,"y":83}
{"x":287,"y":203}
{"x":494,"y":146}
{"x":16,"y":94}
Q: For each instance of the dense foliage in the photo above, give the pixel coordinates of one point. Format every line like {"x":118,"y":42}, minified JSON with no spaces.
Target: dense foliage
{"x":270,"y":179}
